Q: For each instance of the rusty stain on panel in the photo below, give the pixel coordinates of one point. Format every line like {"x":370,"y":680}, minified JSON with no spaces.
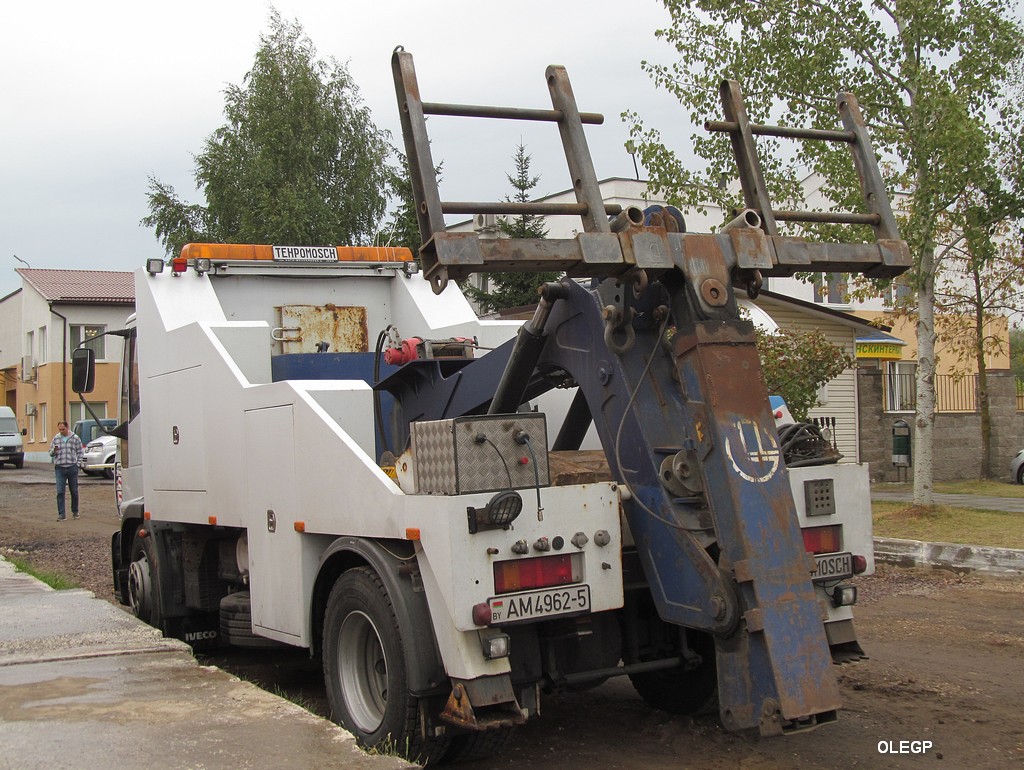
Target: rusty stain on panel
{"x":343,"y":328}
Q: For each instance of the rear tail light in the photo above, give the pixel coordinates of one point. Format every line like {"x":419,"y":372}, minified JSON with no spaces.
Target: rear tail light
{"x":860,"y":564}
{"x":538,"y":572}
{"x":823,"y":539}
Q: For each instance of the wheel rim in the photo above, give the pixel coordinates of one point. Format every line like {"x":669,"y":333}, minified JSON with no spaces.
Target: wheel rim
{"x":138,"y":587}
{"x":364,"y":671}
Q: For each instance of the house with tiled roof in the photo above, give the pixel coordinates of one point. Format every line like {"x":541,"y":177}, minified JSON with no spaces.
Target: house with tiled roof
{"x":52,"y":313}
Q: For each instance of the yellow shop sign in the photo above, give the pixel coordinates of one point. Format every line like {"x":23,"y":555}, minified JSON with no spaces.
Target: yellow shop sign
{"x":879,"y":350}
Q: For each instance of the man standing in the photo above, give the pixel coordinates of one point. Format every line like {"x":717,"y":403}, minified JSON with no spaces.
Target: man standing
{"x":67,"y":452}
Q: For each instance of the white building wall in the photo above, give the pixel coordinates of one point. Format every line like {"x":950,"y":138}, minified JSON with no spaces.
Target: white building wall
{"x":10,"y":330}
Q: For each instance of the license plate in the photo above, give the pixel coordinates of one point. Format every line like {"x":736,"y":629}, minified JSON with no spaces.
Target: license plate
{"x":539,"y":604}
{"x":832,"y":566}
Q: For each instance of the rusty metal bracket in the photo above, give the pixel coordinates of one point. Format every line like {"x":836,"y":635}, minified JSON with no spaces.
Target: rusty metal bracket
{"x":485,"y":703}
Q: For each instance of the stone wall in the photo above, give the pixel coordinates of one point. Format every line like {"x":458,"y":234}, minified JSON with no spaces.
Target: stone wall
{"x":957,"y":448}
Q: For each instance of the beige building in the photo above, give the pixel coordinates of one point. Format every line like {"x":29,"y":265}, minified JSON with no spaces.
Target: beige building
{"x":41,"y":323}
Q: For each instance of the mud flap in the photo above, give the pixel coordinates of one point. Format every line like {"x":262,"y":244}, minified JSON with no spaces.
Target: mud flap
{"x":485,"y":703}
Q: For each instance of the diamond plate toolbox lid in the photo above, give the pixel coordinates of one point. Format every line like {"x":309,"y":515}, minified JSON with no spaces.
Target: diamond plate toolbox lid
{"x":483,"y":453}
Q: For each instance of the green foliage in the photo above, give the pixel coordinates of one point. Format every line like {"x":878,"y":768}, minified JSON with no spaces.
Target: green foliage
{"x":796,"y":364}
{"x":299,"y":161}
{"x":926,"y":75}
{"x":515,"y":289}
{"x":1017,"y":353}
{"x":403,"y":228}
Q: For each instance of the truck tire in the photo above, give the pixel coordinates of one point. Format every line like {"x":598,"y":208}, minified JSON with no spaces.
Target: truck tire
{"x":365,"y":670}
{"x":683,"y":691}
{"x":469,"y":747}
{"x":143,"y":593}
{"x":236,"y":623}
{"x":109,"y":472}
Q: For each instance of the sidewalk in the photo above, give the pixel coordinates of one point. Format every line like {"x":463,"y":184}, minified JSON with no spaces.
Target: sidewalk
{"x":84,"y":685}
{"x":1012,"y":504}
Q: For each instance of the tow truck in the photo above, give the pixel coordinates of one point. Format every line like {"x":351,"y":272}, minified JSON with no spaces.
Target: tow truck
{"x":421,"y":514}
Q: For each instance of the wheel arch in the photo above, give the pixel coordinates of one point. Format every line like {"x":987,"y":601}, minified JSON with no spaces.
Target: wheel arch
{"x":394,"y":562}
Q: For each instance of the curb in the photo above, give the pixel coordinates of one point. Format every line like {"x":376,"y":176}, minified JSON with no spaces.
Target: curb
{"x":915,"y":553}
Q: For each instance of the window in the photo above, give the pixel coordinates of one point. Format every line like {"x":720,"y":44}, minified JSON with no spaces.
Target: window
{"x":76,"y":411}
{"x":831,"y":288}
{"x":30,"y":346}
{"x":901,"y":386}
{"x":90,"y":334}
{"x":43,"y":422}
{"x":129,"y":380}
{"x":43,"y":352}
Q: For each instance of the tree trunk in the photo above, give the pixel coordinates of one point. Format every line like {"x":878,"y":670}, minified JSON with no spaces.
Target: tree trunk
{"x":983,"y":406}
{"x":925,"y":416}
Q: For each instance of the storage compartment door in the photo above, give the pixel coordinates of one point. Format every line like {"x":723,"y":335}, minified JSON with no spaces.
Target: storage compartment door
{"x":275,"y":548}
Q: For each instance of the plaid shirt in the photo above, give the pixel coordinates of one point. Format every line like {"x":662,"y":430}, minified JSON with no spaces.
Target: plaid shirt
{"x":67,"y":450}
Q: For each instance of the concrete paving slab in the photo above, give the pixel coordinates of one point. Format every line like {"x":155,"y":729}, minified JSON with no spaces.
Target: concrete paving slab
{"x":84,"y":685}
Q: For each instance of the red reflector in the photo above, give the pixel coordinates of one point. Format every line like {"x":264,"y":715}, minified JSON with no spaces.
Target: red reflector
{"x":179,"y":264}
{"x":539,"y":572}
{"x":482,"y":614}
{"x":778,"y":414}
{"x":860,"y":564}
{"x":823,"y":539}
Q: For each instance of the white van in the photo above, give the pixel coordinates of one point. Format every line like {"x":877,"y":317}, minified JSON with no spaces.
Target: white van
{"x":11,"y":449}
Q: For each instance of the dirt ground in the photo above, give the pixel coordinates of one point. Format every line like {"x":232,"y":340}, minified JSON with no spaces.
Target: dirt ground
{"x":946,"y":666}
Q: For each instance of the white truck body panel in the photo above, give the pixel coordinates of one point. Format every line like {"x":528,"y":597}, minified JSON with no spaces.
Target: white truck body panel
{"x":224,"y":445}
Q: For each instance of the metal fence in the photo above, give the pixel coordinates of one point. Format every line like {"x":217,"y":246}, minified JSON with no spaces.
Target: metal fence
{"x":952,"y":393}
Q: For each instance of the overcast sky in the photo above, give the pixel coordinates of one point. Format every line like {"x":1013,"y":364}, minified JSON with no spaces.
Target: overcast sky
{"x":97,"y":97}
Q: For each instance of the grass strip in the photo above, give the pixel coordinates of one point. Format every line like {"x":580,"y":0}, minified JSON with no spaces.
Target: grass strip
{"x":52,"y":579}
{"x":948,"y":524}
{"x":966,"y":487}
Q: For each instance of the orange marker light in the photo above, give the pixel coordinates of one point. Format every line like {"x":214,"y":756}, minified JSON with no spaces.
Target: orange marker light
{"x":213,"y":521}
{"x":300,"y":526}
{"x":147,"y":515}
{"x":412,"y":533}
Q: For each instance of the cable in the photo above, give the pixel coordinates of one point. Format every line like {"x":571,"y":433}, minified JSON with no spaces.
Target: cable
{"x":618,"y":433}
{"x":481,"y":438}
{"x":377,"y":411}
{"x":536,"y":476}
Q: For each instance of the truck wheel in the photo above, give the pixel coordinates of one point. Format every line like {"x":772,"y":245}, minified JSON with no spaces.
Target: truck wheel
{"x":143,"y":596}
{"x":680,"y":691}
{"x":469,"y":747}
{"x":365,"y":670}
{"x":109,"y":472}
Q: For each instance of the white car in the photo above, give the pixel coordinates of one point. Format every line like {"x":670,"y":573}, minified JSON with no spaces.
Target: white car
{"x":1017,"y":467}
{"x":99,"y":456}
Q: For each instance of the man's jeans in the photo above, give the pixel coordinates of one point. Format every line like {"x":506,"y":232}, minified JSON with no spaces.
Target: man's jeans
{"x":67,"y":475}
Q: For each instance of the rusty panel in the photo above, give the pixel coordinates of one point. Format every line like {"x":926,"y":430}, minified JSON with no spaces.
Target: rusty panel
{"x":303,"y":327}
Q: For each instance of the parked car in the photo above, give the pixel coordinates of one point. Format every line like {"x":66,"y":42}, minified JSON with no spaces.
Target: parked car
{"x":1017,"y":467}
{"x":99,"y":456}
{"x":11,"y":449}
{"x":89,"y":430}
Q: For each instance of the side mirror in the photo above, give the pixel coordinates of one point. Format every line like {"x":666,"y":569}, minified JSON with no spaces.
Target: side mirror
{"x":83,"y":370}
{"x":24,"y":431}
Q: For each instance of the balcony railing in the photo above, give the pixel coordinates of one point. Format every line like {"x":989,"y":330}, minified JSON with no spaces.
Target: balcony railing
{"x":952,"y":393}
